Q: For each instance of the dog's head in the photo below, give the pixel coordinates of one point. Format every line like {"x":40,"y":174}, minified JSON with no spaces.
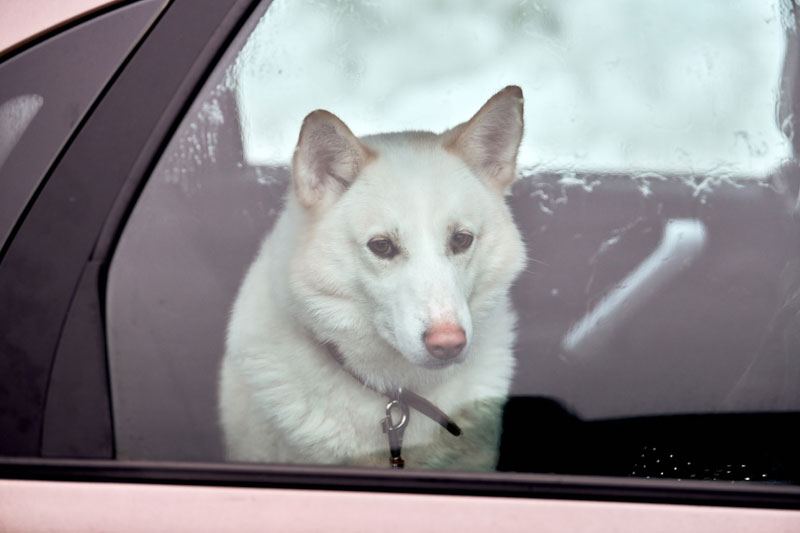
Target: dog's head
{"x":407,"y":235}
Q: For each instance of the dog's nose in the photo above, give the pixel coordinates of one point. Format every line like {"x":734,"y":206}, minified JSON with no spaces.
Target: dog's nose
{"x":445,"y":341}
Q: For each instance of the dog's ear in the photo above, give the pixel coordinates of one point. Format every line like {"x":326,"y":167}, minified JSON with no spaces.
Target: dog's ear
{"x":490,"y":140}
{"x":327,"y":159}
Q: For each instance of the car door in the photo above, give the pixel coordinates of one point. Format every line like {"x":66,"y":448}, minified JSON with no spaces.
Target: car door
{"x":659,"y":302}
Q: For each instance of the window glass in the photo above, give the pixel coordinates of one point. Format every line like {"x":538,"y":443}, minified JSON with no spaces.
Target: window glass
{"x":686,"y":87}
{"x":47,"y":89}
{"x":644,"y":266}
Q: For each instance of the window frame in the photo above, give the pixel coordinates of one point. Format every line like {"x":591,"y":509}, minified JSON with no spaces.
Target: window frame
{"x":58,"y":295}
{"x":491,"y":484}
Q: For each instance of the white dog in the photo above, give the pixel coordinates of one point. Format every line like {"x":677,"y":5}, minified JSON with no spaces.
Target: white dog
{"x":374,"y":326}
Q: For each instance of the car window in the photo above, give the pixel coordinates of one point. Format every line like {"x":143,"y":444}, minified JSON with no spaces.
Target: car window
{"x":308,"y":287}
{"x":46,"y":91}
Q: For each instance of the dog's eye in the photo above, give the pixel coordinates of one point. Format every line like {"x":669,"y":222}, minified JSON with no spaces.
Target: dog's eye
{"x":460,"y":241}
{"x":382,"y":247}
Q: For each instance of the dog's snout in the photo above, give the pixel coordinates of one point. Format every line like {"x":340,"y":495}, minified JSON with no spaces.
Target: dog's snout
{"x":445,"y":341}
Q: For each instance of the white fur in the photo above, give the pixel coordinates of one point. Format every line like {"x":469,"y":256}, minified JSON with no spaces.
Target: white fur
{"x":282,"y":397}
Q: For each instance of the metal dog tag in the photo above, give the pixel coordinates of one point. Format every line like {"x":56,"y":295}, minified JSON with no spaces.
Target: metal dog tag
{"x":394,"y":429}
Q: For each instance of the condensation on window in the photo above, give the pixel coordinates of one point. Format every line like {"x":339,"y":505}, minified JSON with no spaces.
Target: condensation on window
{"x":651,"y":90}
{"x":210,"y":139}
{"x":197,"y":139}
{"x":646,"y":88}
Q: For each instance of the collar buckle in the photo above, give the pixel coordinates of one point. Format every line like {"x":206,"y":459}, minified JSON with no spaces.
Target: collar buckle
{"x":395,"y":429}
